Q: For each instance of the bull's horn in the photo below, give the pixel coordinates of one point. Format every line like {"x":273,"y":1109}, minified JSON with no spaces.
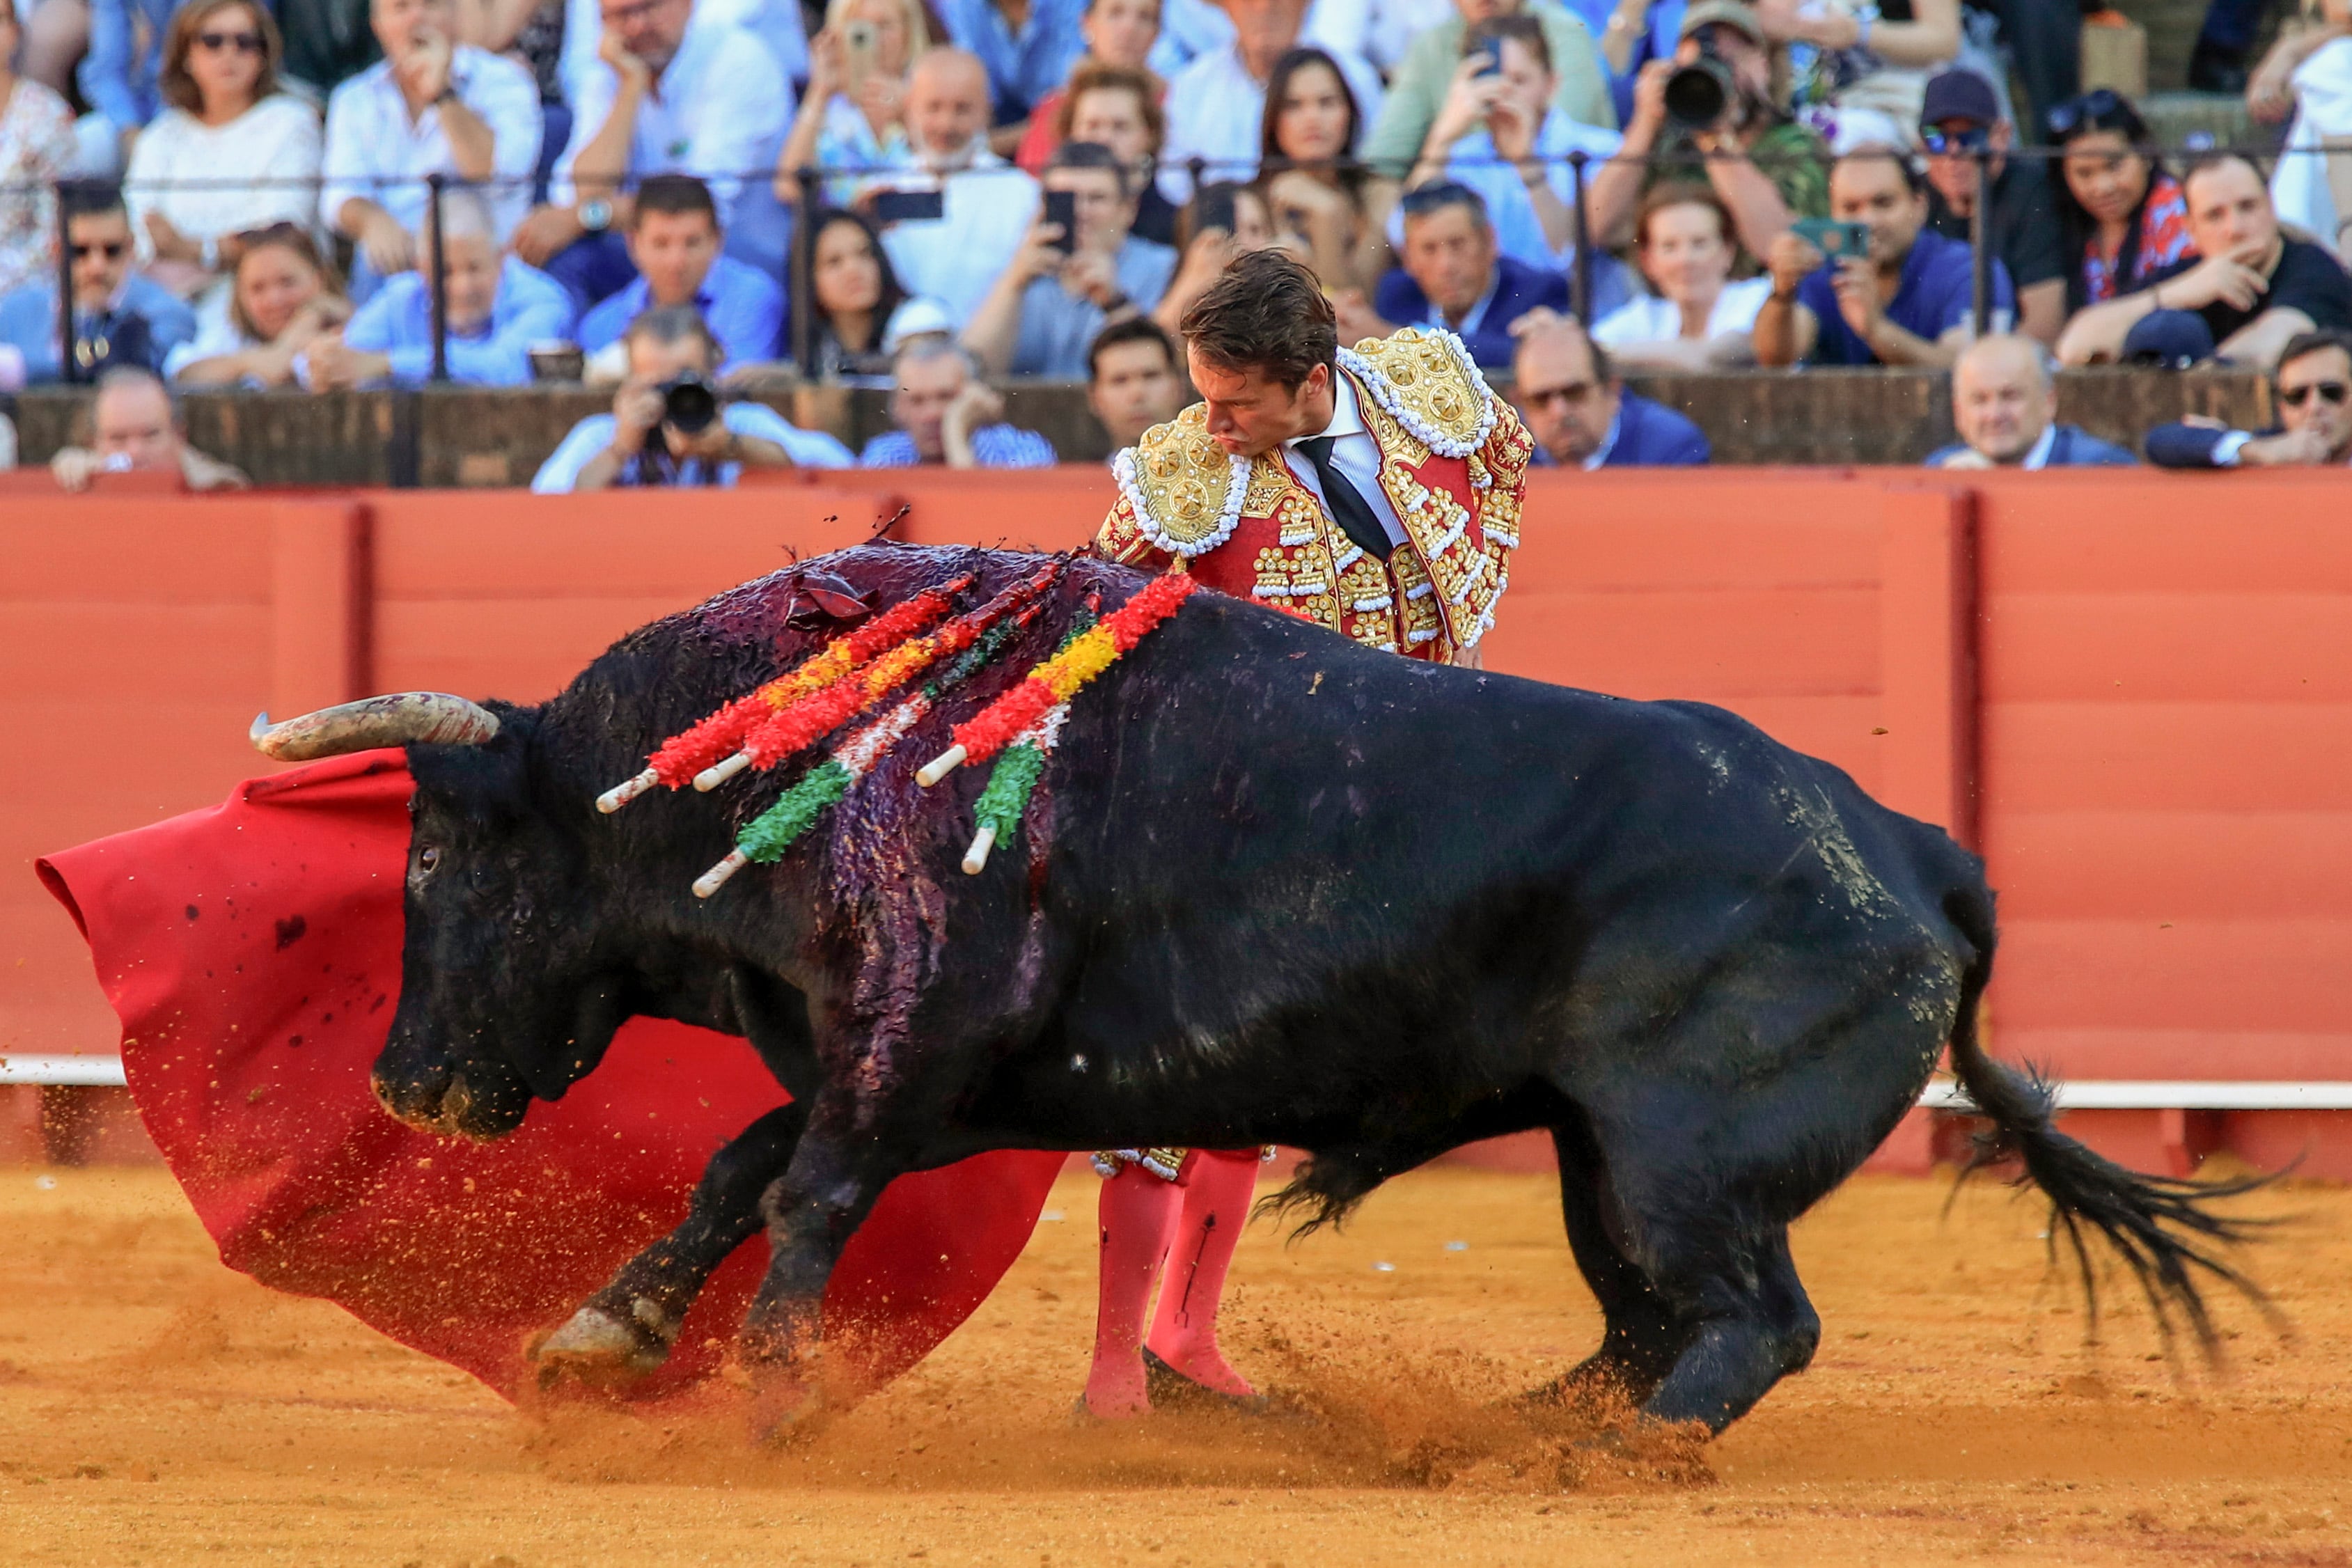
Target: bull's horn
{"x":432,"y":716}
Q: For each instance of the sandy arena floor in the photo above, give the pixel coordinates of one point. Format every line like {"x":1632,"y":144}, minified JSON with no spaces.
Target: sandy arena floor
{"x":155,"y":1408}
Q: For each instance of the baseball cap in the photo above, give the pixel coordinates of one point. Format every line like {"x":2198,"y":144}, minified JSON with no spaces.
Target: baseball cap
{"x":1729,"y":12}
{"x":1959,"y":94}
{"x":2171,"y":340}
{"x":921,"y":316}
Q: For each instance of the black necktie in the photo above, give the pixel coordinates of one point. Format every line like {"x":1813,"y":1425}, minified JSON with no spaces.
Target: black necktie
{"x":1349,"y":510}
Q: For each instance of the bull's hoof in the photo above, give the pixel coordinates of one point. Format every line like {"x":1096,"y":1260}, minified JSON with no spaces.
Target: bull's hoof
{"x":1644,"y":1451}
{"x":786,"y":1409}
{"x":598,"y":1350}
{"x":1171,"y":1390}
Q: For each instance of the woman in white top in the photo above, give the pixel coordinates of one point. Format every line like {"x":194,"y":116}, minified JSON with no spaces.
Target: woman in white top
{"x":37,"y":145}
{"x":852,"y":116}
{"x":2312,"y":187}
{"x":1699,"y":319}
{"x":231,"y":154}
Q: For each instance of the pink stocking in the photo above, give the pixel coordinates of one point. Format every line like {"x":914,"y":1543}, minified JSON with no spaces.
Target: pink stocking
{"x":1138,"y":1211}
{"x":1216,"y":1207}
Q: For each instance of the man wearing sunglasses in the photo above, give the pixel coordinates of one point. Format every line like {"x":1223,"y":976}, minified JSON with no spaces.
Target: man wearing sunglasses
{"x":121,"y":317}
{"x":2313,"y":383}
{"x":1959,"y":121}
{"x":1581,"y":415}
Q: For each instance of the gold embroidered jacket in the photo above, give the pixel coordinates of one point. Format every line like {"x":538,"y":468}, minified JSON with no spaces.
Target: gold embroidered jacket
{"x":1454,"y":461}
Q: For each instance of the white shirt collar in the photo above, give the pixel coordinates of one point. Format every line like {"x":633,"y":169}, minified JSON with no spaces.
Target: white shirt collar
{"x":1347,"y":416}
{"x":1477,"y":308}
{"x":1608,"y":442}
{"x":2038,"y":455}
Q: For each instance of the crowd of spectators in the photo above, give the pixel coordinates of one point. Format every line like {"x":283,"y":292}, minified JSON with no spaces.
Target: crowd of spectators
{"x":959,"y":194}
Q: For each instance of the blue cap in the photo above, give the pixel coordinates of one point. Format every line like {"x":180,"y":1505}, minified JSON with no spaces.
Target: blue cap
{"x":2171,"y":340}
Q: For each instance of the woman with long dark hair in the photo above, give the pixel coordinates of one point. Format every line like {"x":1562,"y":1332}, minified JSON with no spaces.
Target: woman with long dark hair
{"x":1306,"y":168}
{"x":845,"y":275}
{"x":2122,"y":214}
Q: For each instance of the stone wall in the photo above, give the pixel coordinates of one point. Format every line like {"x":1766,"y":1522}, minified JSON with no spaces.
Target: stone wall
{"x":461,"y":438}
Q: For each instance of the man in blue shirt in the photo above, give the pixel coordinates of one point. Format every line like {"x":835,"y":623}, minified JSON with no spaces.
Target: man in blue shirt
{"x":1906,"y":302}
{"x":947,"y":415}
{"x":674,"y":243}
{"x":118,"y":78}
{"x":121,"y":317}
{"x":2006,"y":412}
{"x":498,"y":309}
{"x":1023,"y":64}
{"x":2313,"y":385}
{"x":1455,"y":277}
{"x":640,"y":443}
{"x":1581,"y":415}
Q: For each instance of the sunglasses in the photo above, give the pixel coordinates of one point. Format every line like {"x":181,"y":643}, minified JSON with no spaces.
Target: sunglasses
{"x":2094,"y":109}
{"x":2333,"y":391}
{"x":243,"y":43}
{"x":1940,"y":141}
{"x":111,"y":249}
{"x":1571,"y":395}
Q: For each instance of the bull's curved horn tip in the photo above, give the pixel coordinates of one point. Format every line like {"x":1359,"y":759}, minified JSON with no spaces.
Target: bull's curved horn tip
{"x":620,"y":795}
{"x":710,"y":881}
{"x":975,"y":859}
{"x":940,"y":766}
{"x":718,"y":773}
{"x":261,"y":727}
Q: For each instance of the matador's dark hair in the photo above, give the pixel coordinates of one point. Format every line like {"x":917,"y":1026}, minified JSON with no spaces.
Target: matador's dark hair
{"x":1267,"y":313}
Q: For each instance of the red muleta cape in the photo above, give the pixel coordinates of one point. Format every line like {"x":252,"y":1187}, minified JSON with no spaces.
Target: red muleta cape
{"x":253,"y":952}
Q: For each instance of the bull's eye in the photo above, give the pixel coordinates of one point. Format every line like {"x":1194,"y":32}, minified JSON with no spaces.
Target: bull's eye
{"x":428,"y":859}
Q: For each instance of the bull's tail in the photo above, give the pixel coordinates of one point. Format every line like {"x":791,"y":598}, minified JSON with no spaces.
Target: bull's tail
{"x":2165,"y":1230}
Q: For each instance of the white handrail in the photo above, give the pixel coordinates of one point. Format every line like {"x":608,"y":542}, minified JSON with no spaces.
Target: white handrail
{"x":85,"y":1072}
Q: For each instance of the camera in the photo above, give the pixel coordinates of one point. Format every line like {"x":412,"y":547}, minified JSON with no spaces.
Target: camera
{"x":1697,"y":94}
{"x":689,"y":403}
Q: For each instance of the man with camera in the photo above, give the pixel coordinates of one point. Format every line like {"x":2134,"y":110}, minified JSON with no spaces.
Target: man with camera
{"x":1712,"y":107}
{"x":1082,"y":267}
{"x":668,"y":425}
{"x":1895,"y":292}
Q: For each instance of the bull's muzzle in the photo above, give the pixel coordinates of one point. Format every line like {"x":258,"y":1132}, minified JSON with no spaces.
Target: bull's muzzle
{"x":450,"y":1104}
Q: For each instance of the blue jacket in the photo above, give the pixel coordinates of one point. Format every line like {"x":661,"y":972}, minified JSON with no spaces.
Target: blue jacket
{"x":1652,"y":436}
{"x":2192,"y":446}
{"x":397,"y":321}
{"x":742,"y":307}
{"x":2071,"y":446}
{"x":28,"y":320}
{"x":119,"y":77}
{"x":1516,"y":290}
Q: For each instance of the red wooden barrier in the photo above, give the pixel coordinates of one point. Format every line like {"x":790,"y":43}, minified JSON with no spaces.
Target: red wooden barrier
{"x":2133,"y":694}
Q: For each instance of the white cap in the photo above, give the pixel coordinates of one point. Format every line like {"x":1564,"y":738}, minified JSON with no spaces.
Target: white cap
{"x":919,"y":317}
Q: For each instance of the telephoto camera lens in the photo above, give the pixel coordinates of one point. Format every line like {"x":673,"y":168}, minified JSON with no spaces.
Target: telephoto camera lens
{"x":1698,"y":93}
{"x":688,"y":404}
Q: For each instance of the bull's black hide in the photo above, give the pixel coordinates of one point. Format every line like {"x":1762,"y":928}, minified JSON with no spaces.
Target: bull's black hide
{"x":1276,"y":888}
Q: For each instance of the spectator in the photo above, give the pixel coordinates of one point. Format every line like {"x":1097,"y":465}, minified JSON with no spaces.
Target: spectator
{"x":2006,"y":410}
{"x":1314,"y":188}
{"x":1119,"y":34}
{"x":946,"y":414}
{"x":852,"y":116}
{"x":1395,"y":26}
{"x":135,"y":427}
{"x":1119,"y":106}
{"x":2314,"y":429}
{"x":230,"y":155}
{"x":1222,"y":221}
{"x":431,"y":106}
{"x":282,"y":295}
{"x":1769,"y":170}
{"x":1962,"y":119}
{"x":1581,"y":415}
{"x":1028,"y":47}
{"x":2316,"y":165}
{"x":671,"y":96}
{"x":1695,"y":318}
{"x":1216,"y":105}
{"x":2041,"y":45}
{"x":498,"y":307}
{"x":326,"y":43}
{"x":1907,"y":303}
{"x":1062,"y":289}
{"x":37,"y":149}
{"x":1135,"y":379}
{"x":1859,"y":68}
{"x":986,"y":205}
{"x":2272,"y":94}
{"x":2218,"y":61}
{"x":2255,"y":288}
{"x":855,"y":293}
{"x":1499,"y":135}
{"x":674,"y":252}
{"x":1417,"y":93}
{"x":1453,"y":278}
{"x":2121,"y":217}
{"x":120,"y":316}
{"x":639,"y":444}
{"x":777,"y":25}
{"x":120,"y":78}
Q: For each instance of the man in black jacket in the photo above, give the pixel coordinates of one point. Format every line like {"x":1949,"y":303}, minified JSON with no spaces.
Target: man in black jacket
{"x":2313,"y":383}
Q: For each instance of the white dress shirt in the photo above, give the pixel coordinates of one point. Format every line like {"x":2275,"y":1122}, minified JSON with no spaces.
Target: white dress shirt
{"x":986,"y":209}
{"x":374,"y":151}
{"x":775,"y":23}
{"x":1216,"y":110}
{"x":1353,"y":453}
{"x":1651,"y":319}
{"x":1190,"y":28}
{"x":213,"y":180}
{"x":717,"y":112}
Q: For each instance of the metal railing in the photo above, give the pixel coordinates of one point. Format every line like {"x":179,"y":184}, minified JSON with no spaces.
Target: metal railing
{"x":813,"y":181}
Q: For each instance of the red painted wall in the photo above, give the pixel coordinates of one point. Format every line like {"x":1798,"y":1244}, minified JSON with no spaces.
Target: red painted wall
{"x":2133,"y":691}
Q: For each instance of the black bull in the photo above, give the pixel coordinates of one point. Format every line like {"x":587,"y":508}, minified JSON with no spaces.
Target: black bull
{"x":1276,"y":888}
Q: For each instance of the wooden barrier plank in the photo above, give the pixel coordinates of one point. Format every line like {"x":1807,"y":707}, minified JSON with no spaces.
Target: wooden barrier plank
{"x":2226,"y":1055}
{"x":319,"y":604}
{"x":2146,"y":756}
{"x":2234,"y":646}
{"x":84,"y":652}
{"x":62,"y":549}
{"x":1925,"y":652}
{"x":2123,"y":532}
{"x":1779,"y":641}
{"x":2222,"y":864}
{"x":2248,"y":974}
{"x":524,"y":651}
